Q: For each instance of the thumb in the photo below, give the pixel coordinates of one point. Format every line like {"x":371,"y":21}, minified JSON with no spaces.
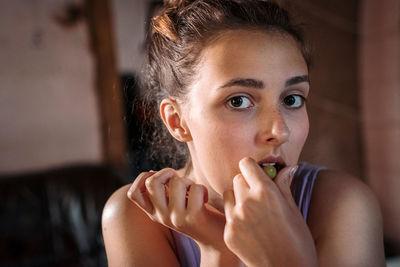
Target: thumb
{"x":284,"y":181}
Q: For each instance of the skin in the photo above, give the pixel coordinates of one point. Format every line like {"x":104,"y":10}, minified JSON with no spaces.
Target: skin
{"x":265,"y":128}
{"x":234,"y":116}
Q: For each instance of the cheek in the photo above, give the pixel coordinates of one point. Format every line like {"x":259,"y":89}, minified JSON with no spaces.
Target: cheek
{"x":300,"y":133}
{"x":223,"y":142}
{"x":306,"y":127}
{"x":218,"y":147}
{"x":216,"y":133}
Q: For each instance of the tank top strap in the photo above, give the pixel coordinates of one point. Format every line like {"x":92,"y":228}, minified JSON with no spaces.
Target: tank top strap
{"x":302,"y":186}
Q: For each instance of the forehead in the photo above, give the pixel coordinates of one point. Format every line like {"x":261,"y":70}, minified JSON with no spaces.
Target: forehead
{"x":252,"y":53}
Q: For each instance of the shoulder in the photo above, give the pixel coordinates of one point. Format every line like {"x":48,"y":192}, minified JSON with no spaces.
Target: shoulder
{"x":131,"y":237}
{"x":345,"y":220}
{"x":120,"y":211}
{"x":337,"y":193}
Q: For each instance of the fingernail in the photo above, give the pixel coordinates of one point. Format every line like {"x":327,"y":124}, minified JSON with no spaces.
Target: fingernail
{"x":293,"y":170}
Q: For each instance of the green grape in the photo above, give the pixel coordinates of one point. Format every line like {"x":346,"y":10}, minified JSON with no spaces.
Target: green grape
{"x":270,"y":171}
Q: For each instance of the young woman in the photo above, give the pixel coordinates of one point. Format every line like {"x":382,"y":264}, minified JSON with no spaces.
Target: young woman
{"x":231,"y":81}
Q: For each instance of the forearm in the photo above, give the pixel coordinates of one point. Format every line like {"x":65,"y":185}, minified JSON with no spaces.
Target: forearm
{"x":218,"y":257}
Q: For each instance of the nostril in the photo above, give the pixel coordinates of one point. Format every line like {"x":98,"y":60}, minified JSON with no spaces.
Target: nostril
{"x":273,"y":128}
{"x":278,"y":137}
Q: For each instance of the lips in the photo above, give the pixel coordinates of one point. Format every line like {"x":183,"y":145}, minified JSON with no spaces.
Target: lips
{"x":277,"y":162}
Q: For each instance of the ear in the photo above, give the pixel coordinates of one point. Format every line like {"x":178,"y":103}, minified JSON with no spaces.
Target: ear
{"x":171,"y":115}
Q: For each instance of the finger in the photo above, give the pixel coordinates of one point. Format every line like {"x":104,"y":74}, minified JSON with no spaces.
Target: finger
{"x":137,"y":192}
{"x":197,"y":196}
{"x":252,"y":173}
{"x":177,"y":195}
{"x":185,"y":181}
{"x":240,"y":188}
{"x":284,"y":181}
{"x":155,"y":186}
{"x":229,"y":204}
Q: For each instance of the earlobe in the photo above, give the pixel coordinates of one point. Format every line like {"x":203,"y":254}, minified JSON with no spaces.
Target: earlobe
{"x":172,"y":117}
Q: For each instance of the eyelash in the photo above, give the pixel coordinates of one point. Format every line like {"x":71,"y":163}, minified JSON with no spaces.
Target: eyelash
{"x":250,"y":103}
{"x":302,"y":98}
{"x":247,"y":99}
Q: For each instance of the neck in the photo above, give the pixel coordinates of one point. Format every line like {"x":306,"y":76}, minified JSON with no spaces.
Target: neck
{"x":214,"y":198}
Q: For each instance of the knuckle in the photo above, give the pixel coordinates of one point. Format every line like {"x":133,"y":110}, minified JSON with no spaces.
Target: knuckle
{"x":237,"y":178}
{"x":230,"y":236}
{"x":177,"y":221}
{"x":133,"y":195}
{"x":234,"y":222}
{"x":173,"y":182}
{"x":191,"y":219}
{"x":168,"y":170}
{"x":164,"y":220}
{"x":246,"y":160}
{"x":153,"y":218}
{"x":196,"y":188}
{"x":176,"y":182}
{"x":151,"y":183}
{"x":142,"y":175}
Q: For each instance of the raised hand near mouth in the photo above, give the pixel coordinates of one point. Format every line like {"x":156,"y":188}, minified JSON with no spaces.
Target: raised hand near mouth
{"x":263,"y":224}
{"x":181,"y":205}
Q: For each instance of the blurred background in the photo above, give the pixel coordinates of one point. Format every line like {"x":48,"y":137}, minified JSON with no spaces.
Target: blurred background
{"x":68,"y":137}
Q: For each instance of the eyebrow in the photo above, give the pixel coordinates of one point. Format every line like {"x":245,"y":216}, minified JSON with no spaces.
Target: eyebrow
{"x":252,"y":83}
{"x":257,"y":84}
{"x":297,"y":79}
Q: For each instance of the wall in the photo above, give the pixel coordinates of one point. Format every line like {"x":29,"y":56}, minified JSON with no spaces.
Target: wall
{"x":380,"y":97}
{"x":130,"y":25}
{"x":48,"y":108}
{"x":334,"y":140}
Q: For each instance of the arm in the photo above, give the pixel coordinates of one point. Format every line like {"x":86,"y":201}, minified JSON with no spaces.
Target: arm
{"x":131,"y":238}
{"x":345,"y":222}
{"x":136,"y":219}
{"x":179,"y":204}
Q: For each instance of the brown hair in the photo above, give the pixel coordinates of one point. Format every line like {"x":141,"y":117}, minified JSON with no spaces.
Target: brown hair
{"x":177,"y":38}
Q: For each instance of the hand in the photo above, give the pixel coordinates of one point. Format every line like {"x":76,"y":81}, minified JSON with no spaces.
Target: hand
{"x":179,"y":204}
{"x":263,"y":224}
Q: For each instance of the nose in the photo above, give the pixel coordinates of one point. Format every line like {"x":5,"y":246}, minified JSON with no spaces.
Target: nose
{"x":273,"y":128}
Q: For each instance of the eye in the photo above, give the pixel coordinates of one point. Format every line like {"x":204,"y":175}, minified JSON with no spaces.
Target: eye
{"x":294,"y":101}
{"x":239,"y":102}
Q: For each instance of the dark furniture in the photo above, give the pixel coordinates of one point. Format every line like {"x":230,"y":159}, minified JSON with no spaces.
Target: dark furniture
{"x":53,"y":218}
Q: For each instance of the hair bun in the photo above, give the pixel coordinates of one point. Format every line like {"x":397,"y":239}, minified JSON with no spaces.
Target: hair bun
{"x":179,"y":4}
{"x":173,"y":3}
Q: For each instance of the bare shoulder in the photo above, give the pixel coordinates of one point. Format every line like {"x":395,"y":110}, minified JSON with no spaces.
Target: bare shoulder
{"x":345,"y":221}
{"x":131,"y":238}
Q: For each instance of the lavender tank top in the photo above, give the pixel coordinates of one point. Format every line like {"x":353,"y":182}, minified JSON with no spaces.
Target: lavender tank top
{"x":302,"y":186}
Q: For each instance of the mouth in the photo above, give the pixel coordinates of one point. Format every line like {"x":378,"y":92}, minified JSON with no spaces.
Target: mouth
{"x":272,"y":167}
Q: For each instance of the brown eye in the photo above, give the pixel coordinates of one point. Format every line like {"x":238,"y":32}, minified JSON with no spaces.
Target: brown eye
{"x":294,"y":101}
{"x":239,"y":102}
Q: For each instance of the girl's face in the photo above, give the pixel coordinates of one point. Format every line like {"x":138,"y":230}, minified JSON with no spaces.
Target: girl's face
{"x":248,"y":99}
